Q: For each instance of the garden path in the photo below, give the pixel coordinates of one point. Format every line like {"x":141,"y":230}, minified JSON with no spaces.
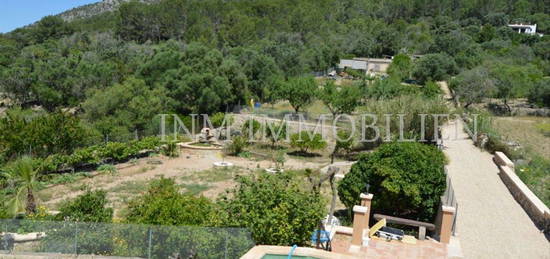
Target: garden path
{"x":490,"y":223}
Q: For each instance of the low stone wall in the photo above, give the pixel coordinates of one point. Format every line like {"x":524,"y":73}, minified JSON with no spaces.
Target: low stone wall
{"x":534,"y":207}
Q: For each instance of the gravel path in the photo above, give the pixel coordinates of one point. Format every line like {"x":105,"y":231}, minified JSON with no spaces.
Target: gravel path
{"x":490,"y":223}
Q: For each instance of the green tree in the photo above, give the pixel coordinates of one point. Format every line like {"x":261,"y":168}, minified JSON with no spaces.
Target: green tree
{"x":125,"y":109}
{"x":276,"y":132}
{"x":513,"y":81}
{"x":540,"y":93}
{"x":23,"y":175}
{"x":400,"y":67}
{"x":250,"y":128}
{"x":342,"y":100}
{"x":307,"y":141}
{"x":50,"y":27}
{"x":261,"y":202}
{"x":407,"y":177}
{"x":299,"y":91}
{"x":163,"y":204}
{"x":37,"y":134}
{"x":471,"y":86}
{"x":88,"y":207}
{"x":434,"y":67}
{"x":344,"y":143}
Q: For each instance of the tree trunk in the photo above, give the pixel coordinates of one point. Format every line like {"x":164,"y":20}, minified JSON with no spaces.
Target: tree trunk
{"x":31,"y":204}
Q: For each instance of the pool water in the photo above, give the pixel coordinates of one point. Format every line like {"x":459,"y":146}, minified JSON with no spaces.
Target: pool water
{"x":272,"y":256}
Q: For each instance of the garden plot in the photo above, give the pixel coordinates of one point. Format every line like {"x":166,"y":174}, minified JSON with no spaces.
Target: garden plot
{"x":193,"y":170}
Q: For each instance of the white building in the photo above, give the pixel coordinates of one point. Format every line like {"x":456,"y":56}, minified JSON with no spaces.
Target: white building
{"x":524,"y":28}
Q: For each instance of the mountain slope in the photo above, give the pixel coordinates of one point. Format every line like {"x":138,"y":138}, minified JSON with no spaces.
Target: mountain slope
{"x":90,"y":10}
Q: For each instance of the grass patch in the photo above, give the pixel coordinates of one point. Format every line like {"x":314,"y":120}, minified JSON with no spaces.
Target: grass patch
{"x":532,"y":134}
{"x":131,"y":187}
{"x":195,"y":188}
{"x":45,"y":195}
{"x":61,"y":179}
{"x":217,"y":174}
{"x":536,"y":175}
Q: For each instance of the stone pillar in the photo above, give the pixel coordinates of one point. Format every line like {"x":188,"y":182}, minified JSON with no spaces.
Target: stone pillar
{"x":359,"y":214}
{"x":366,"y":199}
{"x":446,"y":224}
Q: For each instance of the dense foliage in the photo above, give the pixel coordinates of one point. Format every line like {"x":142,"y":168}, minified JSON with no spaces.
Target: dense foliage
{"x":307,"y":141}
{"x":275,"y":208}
{"x":39,"y":134}
{"x":406,"y":178}
{"x":88,"y":207}
{"x":163,"y":204}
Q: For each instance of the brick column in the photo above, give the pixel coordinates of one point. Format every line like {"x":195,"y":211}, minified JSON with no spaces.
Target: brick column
{"x":446,"y":224}
{"x":359,"y":214}
{"x":366,"y":199}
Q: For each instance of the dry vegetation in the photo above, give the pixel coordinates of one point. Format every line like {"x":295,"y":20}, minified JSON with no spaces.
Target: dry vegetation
{"x":526,"y":131}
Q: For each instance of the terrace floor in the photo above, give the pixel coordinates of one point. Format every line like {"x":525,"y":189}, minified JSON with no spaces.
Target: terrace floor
{"x":381,"y":249}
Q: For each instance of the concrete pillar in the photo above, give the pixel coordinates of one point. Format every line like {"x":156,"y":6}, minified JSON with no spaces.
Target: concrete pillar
{"x":359,"y":214}
{"x":366,"y":199}
{"x":446,"y":224}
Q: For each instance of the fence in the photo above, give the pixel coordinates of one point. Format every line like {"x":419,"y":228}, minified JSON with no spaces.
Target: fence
{"x":449,"y":199}
{"x":123,"y":240}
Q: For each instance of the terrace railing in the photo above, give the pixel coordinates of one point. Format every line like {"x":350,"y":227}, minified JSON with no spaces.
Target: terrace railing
{"x":122,"y":240}
{"x":449,"y":199}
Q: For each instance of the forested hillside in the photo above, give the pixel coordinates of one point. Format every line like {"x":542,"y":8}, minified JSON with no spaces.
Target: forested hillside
{"x":116,"y":70}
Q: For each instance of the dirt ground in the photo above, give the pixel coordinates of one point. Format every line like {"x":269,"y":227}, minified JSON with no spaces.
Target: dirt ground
{"x":193,"y":170}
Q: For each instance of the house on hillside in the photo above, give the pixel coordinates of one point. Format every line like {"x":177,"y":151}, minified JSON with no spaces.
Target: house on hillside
{"x":524,"y":28}
{"x":371,"y":66}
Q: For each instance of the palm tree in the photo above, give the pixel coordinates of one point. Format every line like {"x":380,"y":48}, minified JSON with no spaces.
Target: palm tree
{"x":24,"y":177}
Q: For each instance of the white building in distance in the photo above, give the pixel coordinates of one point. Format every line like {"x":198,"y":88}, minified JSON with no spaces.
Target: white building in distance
{"x":524,"y":28}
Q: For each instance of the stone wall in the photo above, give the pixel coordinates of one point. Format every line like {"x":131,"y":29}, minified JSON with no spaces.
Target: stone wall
{"x":534,"y":207}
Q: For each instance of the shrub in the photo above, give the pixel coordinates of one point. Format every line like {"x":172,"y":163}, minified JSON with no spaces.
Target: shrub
{"x":95,"y":155}
{"x":344,"y":142}
{"x":275,"y":132}
{"x":412,"y":106}
{"x":389,"y":88}
{"x":306,"y":141}
{"x":275,"y":208}
{"x":236,"y":146}
{"x":431,"y":90}
{"x":544,"y":128}
{"x":218,"y":118}
{"x":540,"y":93}
{"x":88,"y":207}
{"x":250,"y":128}
{"x":171,"y":149}
{"x":4,"y":212}
{"x":163,"y":204}
{"x":406,"y":178}
{"x":107,"y":169}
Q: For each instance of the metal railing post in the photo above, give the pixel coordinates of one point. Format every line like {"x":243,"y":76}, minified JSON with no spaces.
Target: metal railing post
{"x":150,"y":241}
{"x":225,"y":252}
{"x":76,"y":239}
